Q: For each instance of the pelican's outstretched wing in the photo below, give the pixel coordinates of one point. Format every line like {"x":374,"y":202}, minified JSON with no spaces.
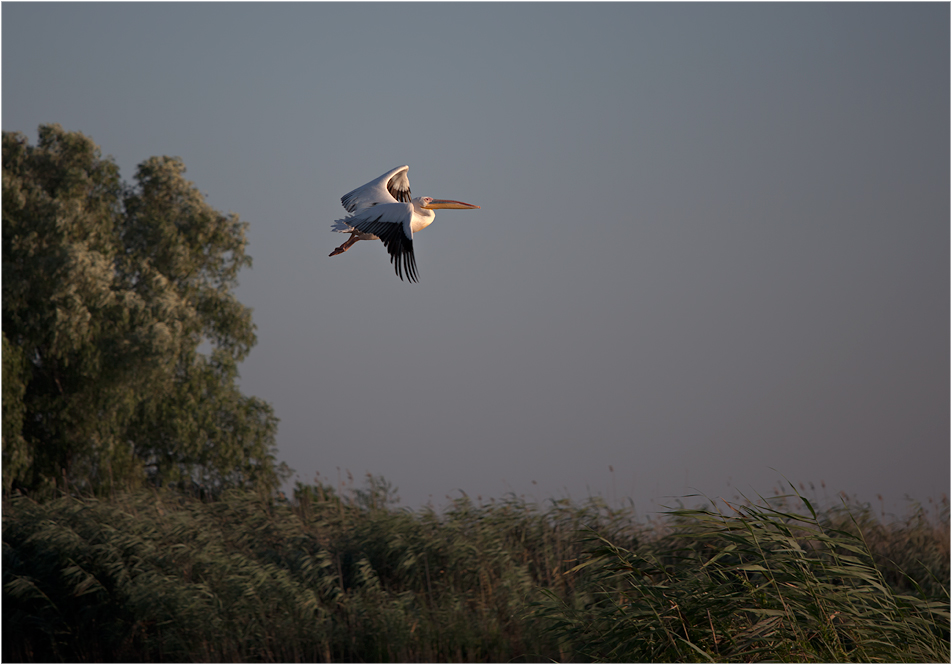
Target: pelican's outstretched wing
{"x":391,"y":223}
{"x":391,"y":187}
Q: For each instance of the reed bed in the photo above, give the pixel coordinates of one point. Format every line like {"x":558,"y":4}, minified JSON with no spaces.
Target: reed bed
{"x":756,"y":582}
{"x":348,"y":576}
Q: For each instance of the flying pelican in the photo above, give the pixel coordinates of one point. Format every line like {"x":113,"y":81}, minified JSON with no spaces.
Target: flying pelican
{"x":383,"y":210}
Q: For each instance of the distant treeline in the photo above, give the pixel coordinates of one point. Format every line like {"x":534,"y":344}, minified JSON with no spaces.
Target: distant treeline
{"x":163,"y":576}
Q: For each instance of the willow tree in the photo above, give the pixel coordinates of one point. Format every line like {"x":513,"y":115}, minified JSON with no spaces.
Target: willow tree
{"x":110,"y":290}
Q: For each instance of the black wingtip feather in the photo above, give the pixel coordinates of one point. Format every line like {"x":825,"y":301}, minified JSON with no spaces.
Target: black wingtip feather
{"x":398,"y":245}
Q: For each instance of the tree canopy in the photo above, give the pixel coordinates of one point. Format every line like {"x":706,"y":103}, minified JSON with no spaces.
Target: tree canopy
{"x":111,"y":292}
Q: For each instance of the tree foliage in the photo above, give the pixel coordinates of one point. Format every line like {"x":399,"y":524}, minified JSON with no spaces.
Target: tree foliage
{"x":110,"y":291}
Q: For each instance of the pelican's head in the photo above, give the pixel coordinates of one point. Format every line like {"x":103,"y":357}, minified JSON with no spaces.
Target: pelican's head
{"x":434,"y":204}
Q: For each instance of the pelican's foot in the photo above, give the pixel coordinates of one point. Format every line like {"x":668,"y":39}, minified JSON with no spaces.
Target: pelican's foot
{"x":347,"y":245}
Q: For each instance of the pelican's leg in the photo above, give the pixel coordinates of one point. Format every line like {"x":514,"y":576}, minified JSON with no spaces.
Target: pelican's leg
{"x":347,"y":245}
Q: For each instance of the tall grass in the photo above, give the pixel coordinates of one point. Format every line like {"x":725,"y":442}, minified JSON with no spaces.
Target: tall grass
{"x":160,"y":576}
{"x":346,"y":576}
{"x":756,"y":582}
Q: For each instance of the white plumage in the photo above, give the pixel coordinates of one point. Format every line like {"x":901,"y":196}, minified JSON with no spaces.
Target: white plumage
{"x":383,"y":210}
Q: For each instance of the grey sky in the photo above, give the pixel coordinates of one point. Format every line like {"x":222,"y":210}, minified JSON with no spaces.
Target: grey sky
{"x":713,"y":246}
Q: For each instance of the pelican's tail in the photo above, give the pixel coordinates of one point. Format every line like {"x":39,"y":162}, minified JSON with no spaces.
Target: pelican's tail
{"x":341,"y":226}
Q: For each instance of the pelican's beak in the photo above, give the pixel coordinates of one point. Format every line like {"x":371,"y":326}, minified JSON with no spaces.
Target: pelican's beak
{"x":435,"y":204}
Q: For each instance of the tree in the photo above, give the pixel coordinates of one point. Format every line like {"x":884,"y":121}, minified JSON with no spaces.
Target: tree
{"x":109,"y":291}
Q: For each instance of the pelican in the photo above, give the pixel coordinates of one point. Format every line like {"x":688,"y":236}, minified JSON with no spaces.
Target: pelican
{"x":383,"y":210}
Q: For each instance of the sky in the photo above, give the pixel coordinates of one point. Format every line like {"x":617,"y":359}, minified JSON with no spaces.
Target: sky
{"x":712,"y":251}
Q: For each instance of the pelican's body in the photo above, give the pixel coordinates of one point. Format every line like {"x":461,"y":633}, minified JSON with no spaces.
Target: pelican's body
{"x":383,"y":210}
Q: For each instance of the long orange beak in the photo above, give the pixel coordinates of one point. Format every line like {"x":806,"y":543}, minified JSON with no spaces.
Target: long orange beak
{"x":436,"y":204}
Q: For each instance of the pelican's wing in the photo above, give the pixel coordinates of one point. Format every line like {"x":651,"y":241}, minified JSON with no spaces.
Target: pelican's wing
{"x":391,"y":223}
{"x":392,"y":187}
